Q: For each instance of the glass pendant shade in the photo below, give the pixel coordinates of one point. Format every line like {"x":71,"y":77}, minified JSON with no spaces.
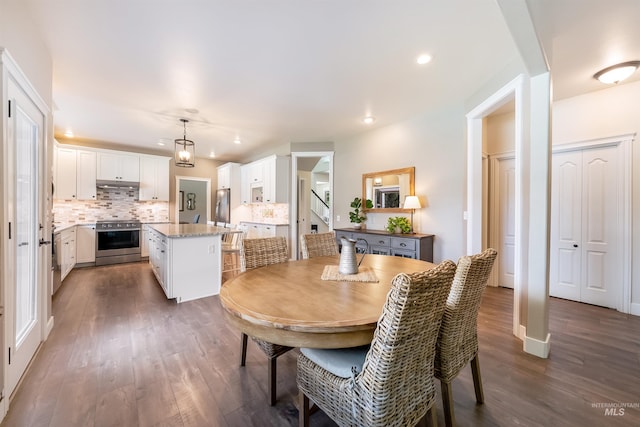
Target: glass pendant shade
{"x":185,"y":150}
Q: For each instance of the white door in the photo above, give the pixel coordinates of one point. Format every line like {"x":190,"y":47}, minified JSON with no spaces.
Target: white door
{"x":24,"y":332}
{"x":507,"y":222}
{"x":586,"y":218}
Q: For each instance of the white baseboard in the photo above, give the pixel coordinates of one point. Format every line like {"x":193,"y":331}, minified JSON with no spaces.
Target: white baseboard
{"x":537,"y":347}
{"x":4,"y":408}
{"x":635,"y":308}
{"x":49,"y":328}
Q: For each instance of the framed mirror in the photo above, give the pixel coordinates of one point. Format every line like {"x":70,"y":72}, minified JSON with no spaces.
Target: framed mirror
{"x":387,"y":189}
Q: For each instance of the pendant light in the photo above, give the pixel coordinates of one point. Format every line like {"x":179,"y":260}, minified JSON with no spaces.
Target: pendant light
{"x":185,"y":149}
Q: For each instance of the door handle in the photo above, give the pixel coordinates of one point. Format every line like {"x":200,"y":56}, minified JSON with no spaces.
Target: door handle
{"x":44,"y":242}
{"x":23,"y":244}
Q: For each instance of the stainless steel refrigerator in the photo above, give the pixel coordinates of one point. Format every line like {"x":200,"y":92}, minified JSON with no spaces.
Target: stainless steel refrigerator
{"x":223,"y":206}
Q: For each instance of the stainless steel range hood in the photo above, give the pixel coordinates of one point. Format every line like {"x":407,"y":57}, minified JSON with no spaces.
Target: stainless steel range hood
{"x":102,"y":183}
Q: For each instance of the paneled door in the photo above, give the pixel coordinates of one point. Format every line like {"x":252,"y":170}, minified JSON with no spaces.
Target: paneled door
{"x":507,"y":222}
{"x":586,"y":207}
{"x":25,"y":137}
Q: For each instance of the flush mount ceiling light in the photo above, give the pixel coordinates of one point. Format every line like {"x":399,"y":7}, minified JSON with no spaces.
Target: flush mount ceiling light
{"x":185,"y":149}
{"x":237,"y":140}
{"x":368,"y":120}
{"x":423,"y":59}
{"x":617,"y":73}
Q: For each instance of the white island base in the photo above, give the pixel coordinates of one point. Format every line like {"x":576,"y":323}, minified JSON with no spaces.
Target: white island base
{"x":186,"y":259}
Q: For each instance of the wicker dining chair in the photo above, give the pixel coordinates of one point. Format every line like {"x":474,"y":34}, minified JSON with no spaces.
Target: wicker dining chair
{"x":232,"y":247}
{"x":259,"y":253}
{"x":318,"y":244}
{"x":391,"y":382}
{"x":458,"y":337}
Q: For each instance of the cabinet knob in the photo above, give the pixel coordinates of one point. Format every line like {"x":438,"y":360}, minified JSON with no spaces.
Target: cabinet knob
{"x":575,"y":245}
{"x":403,"y":244}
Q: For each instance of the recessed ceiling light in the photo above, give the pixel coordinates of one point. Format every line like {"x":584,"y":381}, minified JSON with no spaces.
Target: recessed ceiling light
{"x":68,"y":133}
{"x":423,"y":59}
{"x":617,"y":73}
{"x":160,"y":143}
{"x":237,"y":140}
{"x":212,"y":154}
{"x":368,"y":120}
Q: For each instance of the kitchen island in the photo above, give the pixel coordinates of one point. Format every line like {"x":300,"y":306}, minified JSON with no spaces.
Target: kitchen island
{"x":186,"y":259}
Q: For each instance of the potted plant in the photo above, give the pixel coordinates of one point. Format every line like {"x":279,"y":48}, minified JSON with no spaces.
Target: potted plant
{"x":398,"y":224}
{"x":357,"y":217}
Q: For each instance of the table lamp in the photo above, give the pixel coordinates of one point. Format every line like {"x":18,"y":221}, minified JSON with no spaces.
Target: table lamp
{"x":413,"y":203}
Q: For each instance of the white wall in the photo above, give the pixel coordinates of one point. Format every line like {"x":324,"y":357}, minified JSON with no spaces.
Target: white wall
{"x":608,"y":112}
{"x":432,"y":142}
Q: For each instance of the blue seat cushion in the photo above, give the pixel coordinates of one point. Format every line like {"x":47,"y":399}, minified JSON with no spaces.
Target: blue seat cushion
{"x":338,"y":361}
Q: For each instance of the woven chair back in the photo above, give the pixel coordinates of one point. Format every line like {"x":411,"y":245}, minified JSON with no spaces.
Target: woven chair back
{"x":264,"y":251}
{"x":319,"y":244}
{"x":396,"y":383}
{"x":458,"y":337}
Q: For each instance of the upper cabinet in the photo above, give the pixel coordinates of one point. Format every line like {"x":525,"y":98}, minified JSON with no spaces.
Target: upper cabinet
{"x":75,"y":176}
{"x":228,"y":175}
{"x":266,"y":180}
{"x":154,"y":178}
{"x":86,"y":175}
{"x":115,"y":166}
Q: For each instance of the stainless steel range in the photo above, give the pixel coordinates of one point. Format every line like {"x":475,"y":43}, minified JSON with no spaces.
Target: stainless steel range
{"x":117,"y":241}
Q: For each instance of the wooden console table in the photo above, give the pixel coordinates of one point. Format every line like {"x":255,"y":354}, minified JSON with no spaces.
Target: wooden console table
{"x":416,"y":246}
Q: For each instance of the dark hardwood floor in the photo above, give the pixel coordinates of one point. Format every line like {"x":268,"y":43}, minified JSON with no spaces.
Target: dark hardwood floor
{"x":121,"y":354}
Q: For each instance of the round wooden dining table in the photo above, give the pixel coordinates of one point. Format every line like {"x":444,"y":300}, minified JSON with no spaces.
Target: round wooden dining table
{"x":290,"y":304}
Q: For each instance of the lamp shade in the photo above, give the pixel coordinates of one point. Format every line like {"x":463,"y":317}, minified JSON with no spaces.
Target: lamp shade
{"x":412,"y":202}
{"x":184,"y":150}
{"x":617,"y":73}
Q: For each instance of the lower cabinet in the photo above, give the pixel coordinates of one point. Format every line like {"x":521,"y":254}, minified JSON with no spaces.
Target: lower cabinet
{"x":186,"y":268}
{"x":416,"y":246}
{"x":68,"y":251}
{"x":86,"y":243}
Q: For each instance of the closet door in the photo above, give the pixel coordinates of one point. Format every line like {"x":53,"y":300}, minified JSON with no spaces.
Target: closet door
{"x":601,"y":263}
{"x":586,"y":211}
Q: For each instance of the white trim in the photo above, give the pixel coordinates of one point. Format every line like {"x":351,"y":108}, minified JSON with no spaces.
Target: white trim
{"x":177,"y":194}
{"x":515,"y":88}
{"x":537,"y":347}
{"x":635,"y":309}
{"x":49,"y":328}
{"x":16,"y":73}
{"x":293,"y":208}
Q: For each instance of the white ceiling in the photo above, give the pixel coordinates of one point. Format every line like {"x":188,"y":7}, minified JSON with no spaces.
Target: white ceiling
{"x":280,"y":71}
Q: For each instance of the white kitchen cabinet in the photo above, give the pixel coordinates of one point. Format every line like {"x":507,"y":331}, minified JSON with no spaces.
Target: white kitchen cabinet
{"x":65,"y":165}
{"x":228,"y":175}
{"x":157,"y":258}
{"x":68,"y":251}
{"x":85,"y":243}
{"x":75,"y":174}
{"x":266,"y":180}
{"x":86,"y":175}
{"x":276,"y":179}
{"x":118,"y":166}
{"x":154,"y":178}
{"x":186,"y":267}
{"x":144,"y":241}
{"x":245,"y":189}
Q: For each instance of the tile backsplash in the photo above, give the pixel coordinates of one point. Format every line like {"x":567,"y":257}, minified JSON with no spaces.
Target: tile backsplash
{"x":111,"y":204}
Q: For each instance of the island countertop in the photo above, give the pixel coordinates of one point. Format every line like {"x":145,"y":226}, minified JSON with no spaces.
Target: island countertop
{"x":189,"y":230}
